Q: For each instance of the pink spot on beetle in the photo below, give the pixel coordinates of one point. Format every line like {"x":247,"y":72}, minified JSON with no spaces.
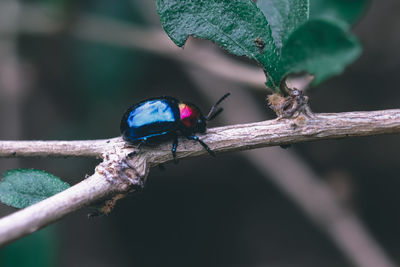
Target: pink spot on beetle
{"x":189,"y":115}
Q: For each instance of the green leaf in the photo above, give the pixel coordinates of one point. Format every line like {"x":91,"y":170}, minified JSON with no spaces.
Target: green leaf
{"x":284,"y":16}
{"x":237,"y":26}
{"x":20,"y":188}
{"x":283,"y":41}
{"x":318,"y":47}
{"x":348,"y":11}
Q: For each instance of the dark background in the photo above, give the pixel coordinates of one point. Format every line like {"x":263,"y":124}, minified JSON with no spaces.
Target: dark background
{"x":203,"y":211}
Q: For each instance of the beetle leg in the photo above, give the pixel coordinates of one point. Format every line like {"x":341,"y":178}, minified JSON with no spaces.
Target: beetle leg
{"x":195,"y":138}
{"x":138,"y":148}
{"x":173,"y":150}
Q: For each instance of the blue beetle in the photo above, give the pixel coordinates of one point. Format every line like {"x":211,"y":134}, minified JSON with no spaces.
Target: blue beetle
{"x":163,"y":118}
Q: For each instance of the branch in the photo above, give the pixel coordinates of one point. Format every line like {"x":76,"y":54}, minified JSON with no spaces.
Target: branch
{"x":221,"y":139}
{"x":87,"y":148}
{"x":321,"y":126}
{"x":287,"y":131}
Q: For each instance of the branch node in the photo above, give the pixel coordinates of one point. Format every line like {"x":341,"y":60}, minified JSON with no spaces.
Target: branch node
{"x":126,"y":172}
{"x":292,"y":106}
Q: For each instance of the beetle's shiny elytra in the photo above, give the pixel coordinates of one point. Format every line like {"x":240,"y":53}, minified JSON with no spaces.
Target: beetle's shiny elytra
{"x":164,"y":118}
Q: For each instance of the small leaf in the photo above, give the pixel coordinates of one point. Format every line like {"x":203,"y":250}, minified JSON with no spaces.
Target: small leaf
{"x":20,"y":188}
{"x":343,"y":10}
{"x":284,"y":16}
{"x":319,"y":47}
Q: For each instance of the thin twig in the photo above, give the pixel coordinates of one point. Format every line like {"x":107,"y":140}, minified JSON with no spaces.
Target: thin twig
{"x":221,"y":139}
{"x":87,"y":148}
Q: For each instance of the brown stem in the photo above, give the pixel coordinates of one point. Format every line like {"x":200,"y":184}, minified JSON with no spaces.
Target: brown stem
{"x":87,"y":148}
{"x":221,"y":139}
{"x":321,"y":126}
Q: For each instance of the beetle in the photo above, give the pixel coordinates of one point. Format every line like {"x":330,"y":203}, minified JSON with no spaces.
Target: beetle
{"x":164,"y":118}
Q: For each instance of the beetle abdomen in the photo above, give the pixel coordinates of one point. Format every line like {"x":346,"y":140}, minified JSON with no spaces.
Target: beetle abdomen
{"x":150,"y":118}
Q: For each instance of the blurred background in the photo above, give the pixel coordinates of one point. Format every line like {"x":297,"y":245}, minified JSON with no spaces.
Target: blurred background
{"x":70,"y":69}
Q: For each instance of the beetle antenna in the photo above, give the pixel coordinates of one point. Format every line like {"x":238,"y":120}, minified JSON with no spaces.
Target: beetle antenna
{"x":211,"y":115}
{"x":215,"y":114}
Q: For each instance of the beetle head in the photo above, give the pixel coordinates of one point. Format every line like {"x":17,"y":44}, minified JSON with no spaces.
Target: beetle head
{"x":201,"y":125}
